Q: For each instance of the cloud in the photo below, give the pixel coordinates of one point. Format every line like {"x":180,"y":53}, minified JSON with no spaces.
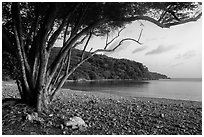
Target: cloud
{"x":160,"y":49}
{"x":186,"y":55}
{"x":139,"y":49}
{"x":177,"y":64}
{"x":149,"y":39}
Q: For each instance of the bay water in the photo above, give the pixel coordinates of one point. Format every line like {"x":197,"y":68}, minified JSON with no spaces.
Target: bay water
{"x":175,"y":88}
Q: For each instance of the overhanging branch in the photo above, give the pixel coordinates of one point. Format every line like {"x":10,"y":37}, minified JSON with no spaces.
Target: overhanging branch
{"x":156,"y":22}
{"x":193,"y":19}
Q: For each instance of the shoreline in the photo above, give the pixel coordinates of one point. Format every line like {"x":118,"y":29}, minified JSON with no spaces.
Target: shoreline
{"x":98,"y":80}
{"x":11,"y":88}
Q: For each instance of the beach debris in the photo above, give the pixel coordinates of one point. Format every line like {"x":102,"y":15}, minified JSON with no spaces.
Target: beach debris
{"x":76,"y":123}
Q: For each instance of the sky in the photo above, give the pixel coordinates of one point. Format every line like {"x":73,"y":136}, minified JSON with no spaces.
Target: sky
{"x":175,"y":52}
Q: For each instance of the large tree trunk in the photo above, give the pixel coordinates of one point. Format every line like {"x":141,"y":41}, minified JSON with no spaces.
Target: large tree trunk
{"x":40,"y":100}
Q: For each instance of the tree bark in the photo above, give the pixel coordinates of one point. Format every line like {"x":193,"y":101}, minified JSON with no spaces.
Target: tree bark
{"x":43,"y":101}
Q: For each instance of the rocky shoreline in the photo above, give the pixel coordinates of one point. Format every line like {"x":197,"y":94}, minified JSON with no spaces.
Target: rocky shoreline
{"x":110,"y":114}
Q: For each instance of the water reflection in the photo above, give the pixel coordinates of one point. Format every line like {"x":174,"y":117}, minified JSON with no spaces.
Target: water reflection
{"x":172,"y":89}
{"x":106,"y":85}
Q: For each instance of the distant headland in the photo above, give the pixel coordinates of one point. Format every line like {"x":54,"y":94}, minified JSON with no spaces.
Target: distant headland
{"x":102,"y":67}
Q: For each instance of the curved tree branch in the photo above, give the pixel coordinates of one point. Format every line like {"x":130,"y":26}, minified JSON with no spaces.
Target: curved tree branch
{"x":156,"y":22}
{"x":115,"y":37}
{"x":193,"y":19}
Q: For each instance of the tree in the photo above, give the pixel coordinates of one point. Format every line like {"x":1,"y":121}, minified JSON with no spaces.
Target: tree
{"x":32,"y":29}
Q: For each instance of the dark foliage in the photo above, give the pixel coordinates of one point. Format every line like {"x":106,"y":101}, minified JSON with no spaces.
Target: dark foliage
{"x":104,"y":67}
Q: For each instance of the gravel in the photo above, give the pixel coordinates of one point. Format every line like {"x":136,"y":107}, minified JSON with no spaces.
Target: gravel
{"x":108,"y":114}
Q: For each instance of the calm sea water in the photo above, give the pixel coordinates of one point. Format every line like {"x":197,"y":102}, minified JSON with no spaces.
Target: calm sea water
{"x":178,"y":88}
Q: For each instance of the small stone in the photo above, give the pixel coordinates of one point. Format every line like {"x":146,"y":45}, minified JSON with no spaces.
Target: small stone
{"x":33,"y":133}
{"x":64,"y":132}
{"x":50,"y":115}
{"x":162,"y":115}
{"x":61,"y":126}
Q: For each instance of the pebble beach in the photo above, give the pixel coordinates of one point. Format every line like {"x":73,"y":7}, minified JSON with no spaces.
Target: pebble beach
{"x":108,"y":114}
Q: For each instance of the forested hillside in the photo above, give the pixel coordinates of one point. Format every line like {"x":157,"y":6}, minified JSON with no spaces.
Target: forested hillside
{"x":96,"y":68}
{"x":104,"y":67}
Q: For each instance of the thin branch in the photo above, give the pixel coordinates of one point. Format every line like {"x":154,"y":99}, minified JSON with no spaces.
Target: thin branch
{"x":64,"y":78}
{"x":82,"y":56}
{"x":141,"y":24}
{"x":115,"y":36}
{"x":173,"y":14}
{"x":90,"y":50}
{"x":80,"y":42}
{"x":65,"y":34}
{"x":57,"y":77}
{"x":106,"y":40}
{"x":164,"y":13}
{"x":59,"y":72}
{"x":120,"y":43}
{"x":140,"y":34}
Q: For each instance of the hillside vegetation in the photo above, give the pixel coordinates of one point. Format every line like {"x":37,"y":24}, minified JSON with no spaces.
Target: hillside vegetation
{"x":98,"y":67}
{"x":103,"y":67}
